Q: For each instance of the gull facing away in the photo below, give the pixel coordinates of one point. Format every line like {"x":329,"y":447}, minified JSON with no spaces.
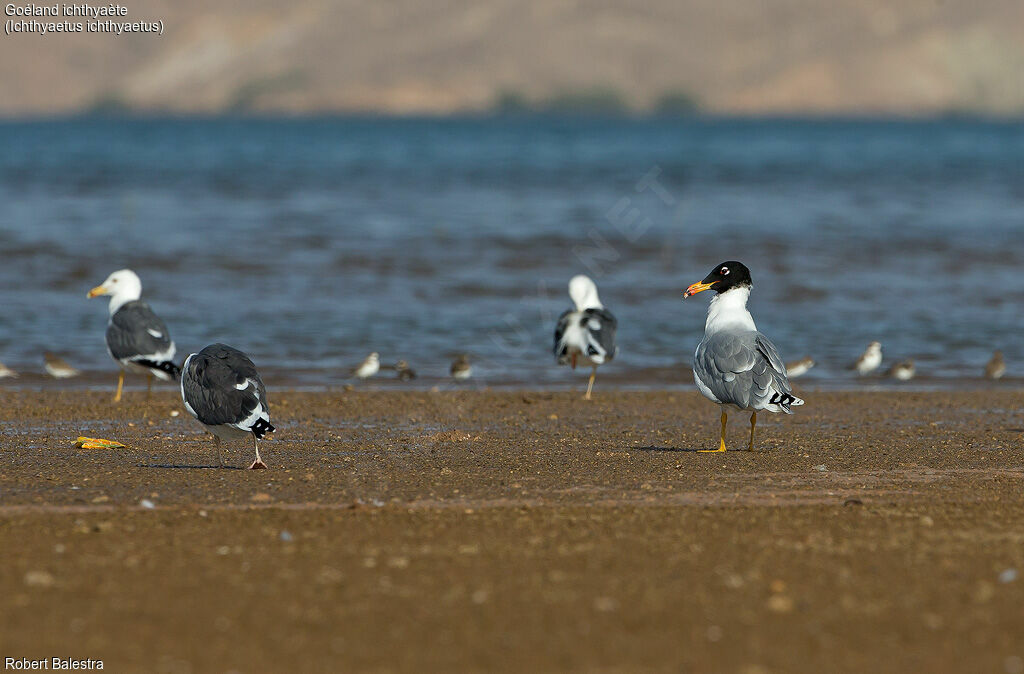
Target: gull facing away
{"x":735,"y":365}
{"x":369,"y":367}
{"x":137,"y":338}
{"x":461,"y":369}
{"x":586,"y":333}
{"x":57,"y":367}
{"x":222,"y":389}
{"x":996,"y":367}
{"x":870,"y":360}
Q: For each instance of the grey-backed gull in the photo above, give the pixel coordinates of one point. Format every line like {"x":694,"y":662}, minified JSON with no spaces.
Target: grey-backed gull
{"x":137,"y":338}
{"x":222,"y":389}
{"x":735,"y":365}
{"x":586,"y":333}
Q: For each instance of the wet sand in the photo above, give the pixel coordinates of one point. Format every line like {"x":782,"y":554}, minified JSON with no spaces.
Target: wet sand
{"x":474,"y":530}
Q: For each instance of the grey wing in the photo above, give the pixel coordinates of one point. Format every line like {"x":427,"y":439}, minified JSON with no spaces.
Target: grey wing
{"x":216,"y":386}
{"x":743,"y":369}
{"x":135,"y":331}
{"x":771,"y":354}
{"x":600,"y":326}
{"x":561,"y":350}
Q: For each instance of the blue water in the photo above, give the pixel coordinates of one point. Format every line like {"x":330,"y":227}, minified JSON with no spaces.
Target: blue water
{"x":309,"y":243}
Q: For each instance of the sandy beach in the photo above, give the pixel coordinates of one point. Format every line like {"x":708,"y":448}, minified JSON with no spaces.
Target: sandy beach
{"x":517,"y":531}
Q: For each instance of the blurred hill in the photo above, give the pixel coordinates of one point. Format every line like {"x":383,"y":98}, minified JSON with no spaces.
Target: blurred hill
{"x":442,"y":56}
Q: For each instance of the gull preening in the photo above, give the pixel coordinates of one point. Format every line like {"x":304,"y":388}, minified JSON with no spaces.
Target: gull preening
{"x":735,"y":365}
{"x":57,"y":367}
{"x":586,"y":333}
{"x":137,"y":338}
{"x":870,"y":360}
{"x":996,"y":367}
{"x":369,"y":367}
{"x":461,"y":369}
{"x":800,"y":367}
{"x":222,"y":389}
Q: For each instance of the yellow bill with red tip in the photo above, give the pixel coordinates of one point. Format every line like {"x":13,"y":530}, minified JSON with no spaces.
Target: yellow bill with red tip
{"x":698,"y":288}
{"x":97,"y":291}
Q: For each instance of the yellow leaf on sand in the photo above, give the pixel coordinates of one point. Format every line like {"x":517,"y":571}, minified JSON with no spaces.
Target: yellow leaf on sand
{"x":97,"y":443}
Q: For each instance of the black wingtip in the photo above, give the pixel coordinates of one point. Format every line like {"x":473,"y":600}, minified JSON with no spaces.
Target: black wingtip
{"x":261,"y":428}
{"x":164,"y":366}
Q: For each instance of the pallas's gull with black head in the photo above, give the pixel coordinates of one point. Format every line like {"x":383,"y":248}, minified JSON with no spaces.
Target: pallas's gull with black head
{"x":222,"y":389}
{"x":735,"y":365}
{"x":136,"y":337}
{"x":586,"y":333}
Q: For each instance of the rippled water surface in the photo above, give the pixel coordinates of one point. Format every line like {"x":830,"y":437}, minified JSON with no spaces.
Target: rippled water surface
{"x":309,"y":243}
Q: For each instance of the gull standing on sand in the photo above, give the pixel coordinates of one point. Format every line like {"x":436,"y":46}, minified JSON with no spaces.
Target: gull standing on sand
{"x":369,"y":367}
{"x":222,"y":389}
{"x":735,"y":364}
{"x":996,"y":367}
{"x":870,"y":360}
{"x":57,"y":367}
{"x":137,"y":338}
{"x":585,"y":334}
{"x":461,"y":369}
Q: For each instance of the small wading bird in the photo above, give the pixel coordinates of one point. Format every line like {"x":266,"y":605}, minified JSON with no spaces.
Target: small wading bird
{"x":57,"y":367}
{"x":136,"y":337}
{"x":222,"y":389}
{"x":870,"y":360}
{"x":404,"y":372}
{"x":903,"y":370}
{"x":735,"y":365}
{"x":799,"y":368}
{"x":585,"y":334}
{"x":6,"y":372}
{"x":461,"y":369}
{"x":996,"y":367}
{"x":369,"y":367}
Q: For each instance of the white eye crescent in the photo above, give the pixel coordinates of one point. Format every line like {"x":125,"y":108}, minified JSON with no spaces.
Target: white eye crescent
{"x":725,"y":271}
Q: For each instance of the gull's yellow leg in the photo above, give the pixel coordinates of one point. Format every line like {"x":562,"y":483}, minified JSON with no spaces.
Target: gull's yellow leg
{"x":721,"y":444}
{"x":120,"y":385}
{"x":753,"y":423}
{"x":590,"y":386}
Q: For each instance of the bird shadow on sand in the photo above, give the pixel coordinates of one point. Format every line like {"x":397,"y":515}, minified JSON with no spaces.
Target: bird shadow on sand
{"x":174,"y":465}
{"x":693,"y":450}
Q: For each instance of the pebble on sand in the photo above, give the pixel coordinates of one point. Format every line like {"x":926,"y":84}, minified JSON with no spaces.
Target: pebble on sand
{"x":39,"y":578}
